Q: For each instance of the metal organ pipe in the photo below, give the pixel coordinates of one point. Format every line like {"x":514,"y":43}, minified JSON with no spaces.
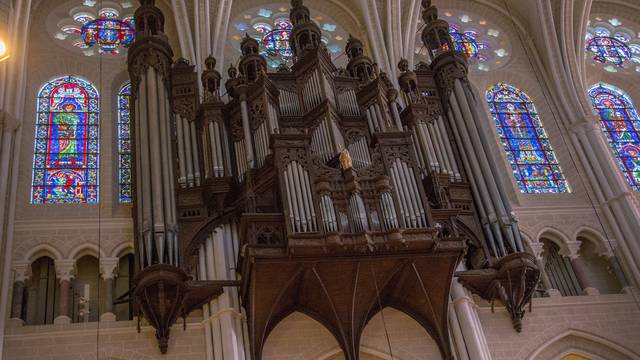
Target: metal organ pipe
{"x":156,"y":170}
{"x":186,"y":131}
{"x":247,"y":133}
{"x":474,"y":191}
{"x":328,"y":213}
{"x":388,"y":211}
{"x":300,"y":198}
{"x":485,"y":167}
{"x":448,"y":149}
{"x":194,"y":149}
{"x":409,"y":194}
{"x":423,"y":132}
{"x":358,"y":212}
{"x":360,"y":153}
{"x":182,"y":179}
{"x":154,"y":162}
{"x":476,"y":173}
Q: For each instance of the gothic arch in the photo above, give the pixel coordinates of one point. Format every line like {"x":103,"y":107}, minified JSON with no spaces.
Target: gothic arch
{"x":587,"y":343}
{"x":43,"y":250}
{"x":86,"y":249}
{"x":594,"y":236}
{"x":123,"y":249}
{"x":290,"y":334}
{"x":392,"y":330}
{"x":556,"y":236}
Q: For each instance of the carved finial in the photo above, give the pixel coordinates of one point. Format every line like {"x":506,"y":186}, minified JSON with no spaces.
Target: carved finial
{"x":345,"y":159}
{"x":403,"y":65}
{"x":232,"y":72}
{"x":210,"y":62}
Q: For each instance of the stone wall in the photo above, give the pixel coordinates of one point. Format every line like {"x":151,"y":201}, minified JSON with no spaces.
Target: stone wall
{"x":600,"y":325}
{"x":103,"y":341}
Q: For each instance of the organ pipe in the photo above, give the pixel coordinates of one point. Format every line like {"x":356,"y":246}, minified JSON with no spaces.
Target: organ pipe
{"x":299,"y":198}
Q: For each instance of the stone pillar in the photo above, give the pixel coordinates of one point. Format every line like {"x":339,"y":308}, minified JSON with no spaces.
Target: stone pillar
{"x":475,"y":342}
{"x":580,"y":269}
{"x":108,"y":268}
{"x":21,"y":275}
{"x":65,"y":271}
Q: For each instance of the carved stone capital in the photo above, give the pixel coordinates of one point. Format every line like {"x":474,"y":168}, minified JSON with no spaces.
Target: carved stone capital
{"x":65,"y":269}
{"x":22,"y":271}
{"x":537,"y":248}
{"x":573,"y":248}
{"x":108,"y":267}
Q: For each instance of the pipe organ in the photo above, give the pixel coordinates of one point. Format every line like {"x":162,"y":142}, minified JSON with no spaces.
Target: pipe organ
{"x":340,"y":202}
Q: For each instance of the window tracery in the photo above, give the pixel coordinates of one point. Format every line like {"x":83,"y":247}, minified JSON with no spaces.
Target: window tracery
{"x":485,"y":46}
{"x":271,"y":27}
{"x":65,"y":162}
{"x":525,"y":141}
{"x":98,"y":30}
{"x":620,"y":123}
{"x":614,"y":46}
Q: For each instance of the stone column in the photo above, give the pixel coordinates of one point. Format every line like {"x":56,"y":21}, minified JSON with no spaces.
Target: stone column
{"x":65,"y":271}
{"x":580,"y":269}
{"x":475,"y":342}
{"x":108,"y":268}
{"x":21,"y":275}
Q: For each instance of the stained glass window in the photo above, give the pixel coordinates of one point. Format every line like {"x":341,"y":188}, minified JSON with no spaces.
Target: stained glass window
{"x":276,"y":41}
{"x":65,"y":162}
{"x":620,"y":122}
{"x":465,"y":42}
{"x":108,"y":31}
{"x":124,"y":144}
{"x":525,"y":141}
{"x":609,"y":50}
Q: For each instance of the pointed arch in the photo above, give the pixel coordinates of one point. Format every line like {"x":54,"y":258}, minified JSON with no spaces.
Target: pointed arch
{"x":66,"y":150}
{"x":620,"y":123}
{"x":533,"y":161}
{"x":124,"y":144}
{"x":583,"y":342}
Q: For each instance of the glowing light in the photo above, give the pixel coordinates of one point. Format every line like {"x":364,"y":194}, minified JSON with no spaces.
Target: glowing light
{"x":465,"y":18}
{"x":501,"y":52}
{"x":4,"y":51}
{"x":615,"y":22}
{"x":493,"y":32}
{"x":265,"y":13}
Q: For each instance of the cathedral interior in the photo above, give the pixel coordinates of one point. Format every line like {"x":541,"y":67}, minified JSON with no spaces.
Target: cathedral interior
{"x":319,"y":179}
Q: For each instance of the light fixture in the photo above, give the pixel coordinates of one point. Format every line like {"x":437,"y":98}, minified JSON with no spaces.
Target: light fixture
{"x":4,"y":51}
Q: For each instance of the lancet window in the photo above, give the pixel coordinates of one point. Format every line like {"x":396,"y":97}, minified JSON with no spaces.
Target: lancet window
{"x":525,"y":141}
{"x":620,"y":123}
{"x":65,"y":162}
{"x":124,"y":144}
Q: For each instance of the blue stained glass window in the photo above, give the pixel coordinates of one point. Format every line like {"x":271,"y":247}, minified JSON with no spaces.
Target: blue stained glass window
{"x":124,"y":144}
{"x":609,"y":50}
{"x":466,"y":42}
{"x":276,"y":41}
{"x":65,"y":162}
{"x":620,"y":122}
{"x":523,"y":138}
